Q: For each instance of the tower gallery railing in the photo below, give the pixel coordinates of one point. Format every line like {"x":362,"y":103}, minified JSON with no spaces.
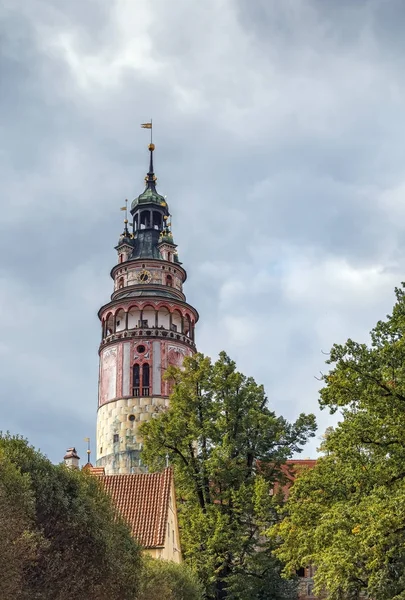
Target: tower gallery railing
{"x":152,"y":332}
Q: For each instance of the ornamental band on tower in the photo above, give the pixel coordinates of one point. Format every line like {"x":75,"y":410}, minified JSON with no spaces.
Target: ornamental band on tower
{"x":146,"y":327}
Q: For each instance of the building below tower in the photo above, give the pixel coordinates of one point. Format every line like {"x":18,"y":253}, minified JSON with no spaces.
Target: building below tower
{"x":146,"y":327}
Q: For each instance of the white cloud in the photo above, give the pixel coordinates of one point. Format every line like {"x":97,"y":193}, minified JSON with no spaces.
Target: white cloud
{"x":279,"y":136}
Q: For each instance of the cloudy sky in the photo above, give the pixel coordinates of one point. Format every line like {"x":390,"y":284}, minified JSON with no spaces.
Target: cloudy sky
{"x":279,"y":130}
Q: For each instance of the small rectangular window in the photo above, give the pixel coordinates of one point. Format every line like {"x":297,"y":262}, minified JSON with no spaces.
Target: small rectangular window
{"x":116,"y":438}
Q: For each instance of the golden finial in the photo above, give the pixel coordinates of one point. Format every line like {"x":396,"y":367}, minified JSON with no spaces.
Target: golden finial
{"x":151,"y":147}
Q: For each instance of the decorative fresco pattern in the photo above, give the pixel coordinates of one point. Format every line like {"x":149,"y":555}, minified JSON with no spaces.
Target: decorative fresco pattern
{"x":108,"y":379}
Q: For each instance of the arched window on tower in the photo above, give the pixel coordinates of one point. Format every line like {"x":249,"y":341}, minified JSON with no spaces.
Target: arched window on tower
{"x":157,"y":220}
{"x":169,"y":280}
{"x":145,"y":380}
{"x":120,"y":283}
{"x":136,"y":380}
{"x":145,"y":220}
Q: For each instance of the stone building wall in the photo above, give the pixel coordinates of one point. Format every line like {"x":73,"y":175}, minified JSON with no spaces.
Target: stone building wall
{"x":118,"y":440}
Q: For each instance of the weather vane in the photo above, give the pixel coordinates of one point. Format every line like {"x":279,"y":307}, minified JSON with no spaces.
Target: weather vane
{"x":148,"y":126}
{"x":126,"y":210}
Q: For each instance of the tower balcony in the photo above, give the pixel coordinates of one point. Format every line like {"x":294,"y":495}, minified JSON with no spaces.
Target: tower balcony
{"x":148,"y":332}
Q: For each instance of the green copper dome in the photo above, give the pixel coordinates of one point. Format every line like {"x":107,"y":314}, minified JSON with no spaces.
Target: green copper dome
{"x":150,"y":195}
{"x":166,"y":236}
{"x":151,"y":218}
{"x":125,"y":237}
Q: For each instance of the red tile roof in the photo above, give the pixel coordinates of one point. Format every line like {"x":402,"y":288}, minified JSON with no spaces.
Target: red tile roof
{"x":308,"y":463}
{"x":94,"y":470}
{"x":143,"y":501}
{"x":291,"y":469}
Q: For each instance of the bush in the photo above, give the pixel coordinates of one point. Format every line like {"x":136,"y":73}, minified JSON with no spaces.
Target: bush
{"x":163,"y":580}
{"x":80,"y":546}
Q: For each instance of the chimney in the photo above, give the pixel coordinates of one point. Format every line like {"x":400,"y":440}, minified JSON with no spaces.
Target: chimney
{"x":71,"y":458}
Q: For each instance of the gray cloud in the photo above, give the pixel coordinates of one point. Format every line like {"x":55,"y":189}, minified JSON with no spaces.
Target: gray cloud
{"x":279,"y":132}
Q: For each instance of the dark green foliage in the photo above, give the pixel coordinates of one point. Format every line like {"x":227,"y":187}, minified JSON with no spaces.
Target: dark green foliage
{"x":83,"y":549}
{"x":226,"y":447}
{"x":347,"y":516}
{"x":18,"y":540}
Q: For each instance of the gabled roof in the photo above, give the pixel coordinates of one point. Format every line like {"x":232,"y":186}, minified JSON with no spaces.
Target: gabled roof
{"x":143,"y":501}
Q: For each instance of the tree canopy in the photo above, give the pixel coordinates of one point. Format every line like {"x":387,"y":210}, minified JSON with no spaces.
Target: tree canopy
{"x":18,"y":540}
{"x":347,"y":515}
{"x":60,"y":537}
{"x":226,"y":446}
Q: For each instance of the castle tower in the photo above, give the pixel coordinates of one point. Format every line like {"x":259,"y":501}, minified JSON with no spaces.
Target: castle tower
{"x":146,"y":326}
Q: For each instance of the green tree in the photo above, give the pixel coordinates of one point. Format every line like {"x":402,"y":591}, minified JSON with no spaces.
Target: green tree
{"x":169,"y":581}
{"x":86,"y":550}
{"x":226,"y":446}
{"x":347,"y":515}
{"x":19,"y":543}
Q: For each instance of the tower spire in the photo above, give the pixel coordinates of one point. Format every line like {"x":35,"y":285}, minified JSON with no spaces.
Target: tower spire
{"x":151,"y":148}
{"x":150,"y":178}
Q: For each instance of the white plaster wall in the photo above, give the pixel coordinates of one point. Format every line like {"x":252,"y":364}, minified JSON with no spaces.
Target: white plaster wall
{"x":110,"y":325}
{"x":176,"y":320}
{"x":178,"y":283}
{"x":120,"y":320}
{"x":120,"y":275}
{"x":126,"y":366}
{"x":133,"y":318}
{"x":164,"y":318}
{"x":148,"y":314}
{"x":132,"y":277}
